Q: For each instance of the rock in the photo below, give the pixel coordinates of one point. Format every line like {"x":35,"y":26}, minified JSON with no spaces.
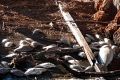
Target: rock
{"x":116,"y":37}
{"x":17,"y":72}
{"x":35,"y":71}
{"x":46,"y":65}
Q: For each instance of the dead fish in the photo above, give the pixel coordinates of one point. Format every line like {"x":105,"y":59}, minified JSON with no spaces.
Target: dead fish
{"x":76,"y":68}
{"x":4,"y":70}
{"x":82,"y":54}
{"x":46,"y":65}
{"x":11,"y":55}
{"x":76,"y":46}
{"x":88,"y":40}
{"x":29,"y":40}
{"x":4,"y":41}
{"x":49,"y":47}
{"x":98,"y":36}
{"x":90,"y":37}
{"x":36,"y":31}
{"x":108,"y":41}
{"x":5,"y":64}
{"x":35,"y":44}
{"x":64,"y":40}
{"x":68,"y":57}
{"x":35,"y":71}
{"x":17,"y":72}
{"x":89,"y":68}
{"x":23,"y":48}
{"x":23,"y":42}
{"x":8,"y":44}
{"x":74,"y":61}
{"x":50,"y":55}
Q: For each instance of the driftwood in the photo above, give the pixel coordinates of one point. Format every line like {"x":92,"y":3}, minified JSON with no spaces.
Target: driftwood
{"x":79,"y":37}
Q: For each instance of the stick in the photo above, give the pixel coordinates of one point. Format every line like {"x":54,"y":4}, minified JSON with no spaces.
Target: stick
{"x":79,"y":37}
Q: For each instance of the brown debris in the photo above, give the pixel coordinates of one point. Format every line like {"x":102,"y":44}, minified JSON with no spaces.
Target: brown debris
{"x":117,"y":17}
{"x":116,"y":37}
{"x":100,"y":16}
{"x":110,"y":29}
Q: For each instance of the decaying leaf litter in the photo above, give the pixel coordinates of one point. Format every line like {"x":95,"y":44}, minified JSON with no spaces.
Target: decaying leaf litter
{"x":42,"y":22}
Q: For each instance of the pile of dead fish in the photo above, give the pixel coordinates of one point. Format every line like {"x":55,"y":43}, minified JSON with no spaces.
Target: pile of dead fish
{"x":14,"y":63}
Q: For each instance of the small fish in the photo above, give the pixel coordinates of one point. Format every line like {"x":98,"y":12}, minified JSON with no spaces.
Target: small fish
{"x":82,"y":54}
{"x":68,"y":57}
{"x":76,"y":68}
{"x":35,"y":71}
{"x":11,"y":55}
{"x":74,"y":61}
{"x":90,"y":37}
{"x":46,"y":65}
{"x":35,"y":44}
{"x":23,"y":48}
{"x":4,"y":41}
{"x":17,"y":72}
{"x":8,"y":44}
{"x":89,"y":68}
{"x":49,"y":47}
